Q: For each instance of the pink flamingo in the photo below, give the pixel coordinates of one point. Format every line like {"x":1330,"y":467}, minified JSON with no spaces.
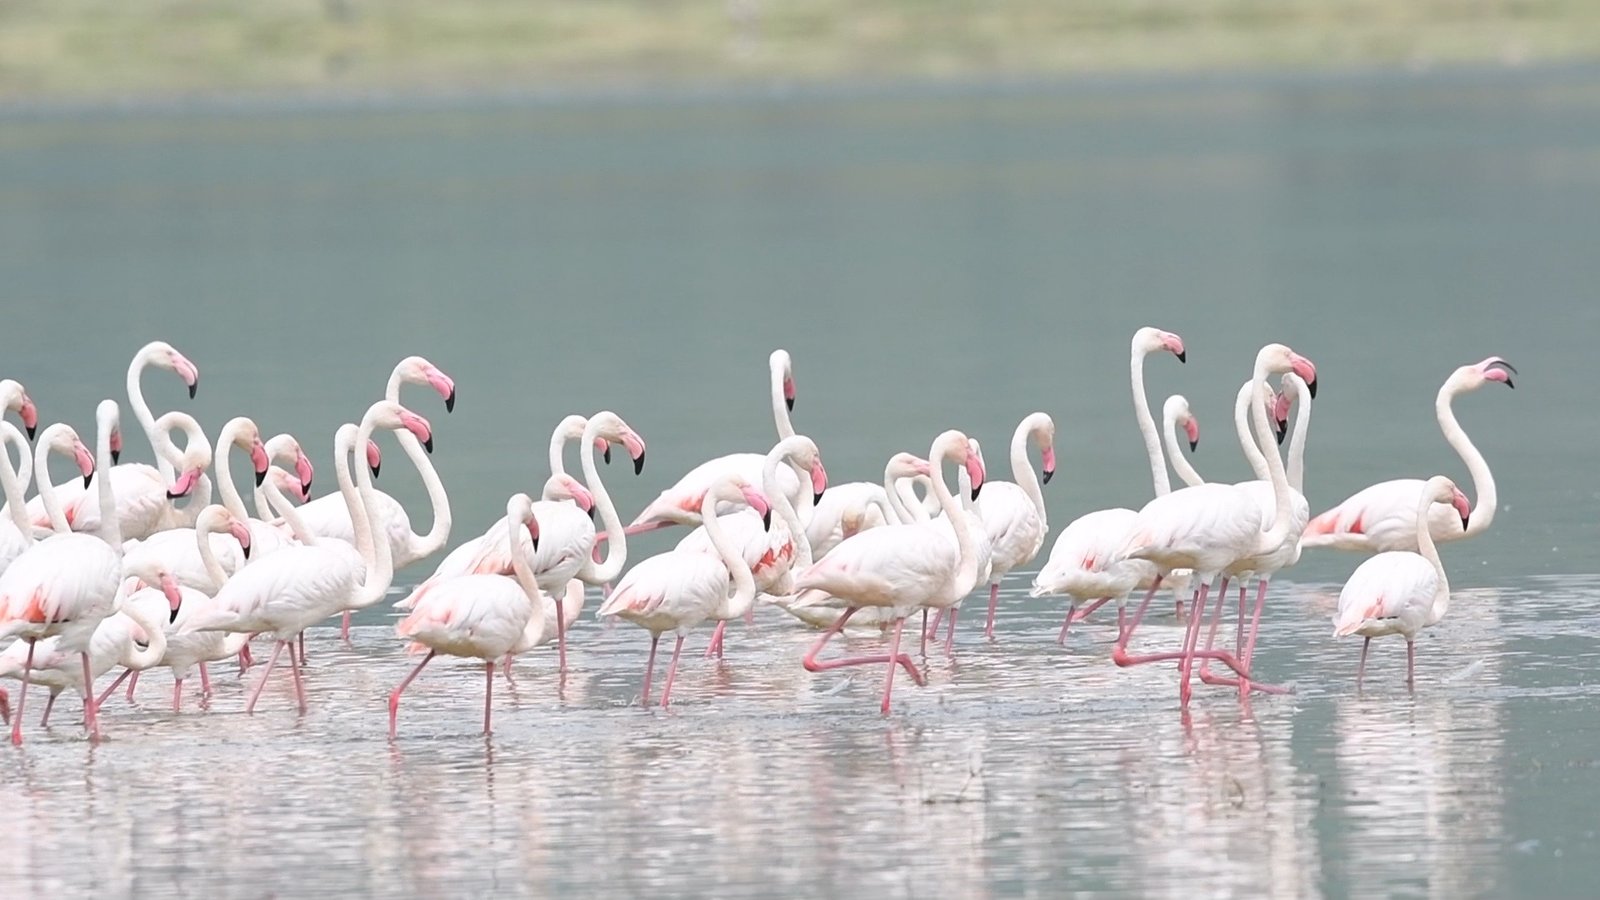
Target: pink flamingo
{"x":1013,"y":513}
{"x":14,"y":398}
{"x":299,"y":586}
{"x":144,"y":493}
{"x":477,"y":616}
{"x":902,"y":568}
{"x":680,"y":504}
{"x":16,"y":531}
{"x":65,"y":584}
{"x":1210,"y":527}
{"x":679,"y":589}
{"x":1380,"y":517}
{"x":1401,"y":591}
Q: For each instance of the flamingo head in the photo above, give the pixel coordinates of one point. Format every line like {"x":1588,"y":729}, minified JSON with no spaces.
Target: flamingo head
{"x":749,"y":493}
{"x":374,"y":458}
{"x":603,"y":447}
{"x":23,"y":404}
{"x":819,"y":479}
{"x":152,"y":571}
{"x":1440,"y":489}
{"x":185,"y":483}
{"x":1278,"y":358}
{"x":166,"y":356}
{"x":304,"y":471}
{"x":247,"y":437}
{"x":417,"y":370}
{"x":288,"y":484}
{"x":609,"y":426}
{"x":1496,"y":369}
{"x":974,"y":463}
{"x":394,"y":417}
{"x":906,"y":465}
{"x":84,"y":458}
{"x":565,"y":487}
{"x":1153,"y":340}
{"x":1043,"y":429}
{"x":116,"y":445}
{"x":783,"y":373}
{"x":634,"y":444}
{"x":1280,"y":414}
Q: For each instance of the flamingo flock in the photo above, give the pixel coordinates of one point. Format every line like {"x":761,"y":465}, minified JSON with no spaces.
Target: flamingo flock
{"x":134,"y":566}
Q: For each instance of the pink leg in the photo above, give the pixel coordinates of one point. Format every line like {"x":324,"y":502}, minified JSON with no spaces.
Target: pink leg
{"x":1246,"y":656}
{"x":177,"y":694}
{"x":44,"y":721}
{"x":1124,"y":634}
{"x":299,"y":688}
{"x":132,"y":683}
{"x":90,"y":713}
{"x":1411,"y":664}
{"x":245,"y":661}
{"x":344,"y":628}
{"x":750,"y":615}
{"x":1197,"y":618}
{"x":1078,"y":615}
{"x":813,"y":664}
{"x":924,"y":628}
{"x":715,"y":647}
{"x":113,"y":688}
{"x":205,"y":681}
{"x":302,"y":648}
{"x":22,"y":697}
{"x":672,"y":672}
{"x":950,"y":630}
{"x":561,"y":640}
{"x":1121,"y":657}
{"x":277,"y":647}
{"x":650,"y":667}
{"x":1066,"y":626}
{"x":894,"y":652}
{"x":488,"y":692}
{"x":994,"y":600}
{"x":931,"y":628}
{"x":506,"y":668}
{"x":394,"y":697}
{"x":1360,"y":669}
{"x":1238,"y":637}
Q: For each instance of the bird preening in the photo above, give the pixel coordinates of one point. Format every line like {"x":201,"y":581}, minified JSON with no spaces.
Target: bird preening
{"x":138,"y":566}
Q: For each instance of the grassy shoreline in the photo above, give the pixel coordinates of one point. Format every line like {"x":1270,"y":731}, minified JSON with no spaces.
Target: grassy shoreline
{"x":86,"y":49}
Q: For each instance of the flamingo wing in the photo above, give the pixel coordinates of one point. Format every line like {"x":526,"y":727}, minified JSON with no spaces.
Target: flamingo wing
{"x":1392,"y":591}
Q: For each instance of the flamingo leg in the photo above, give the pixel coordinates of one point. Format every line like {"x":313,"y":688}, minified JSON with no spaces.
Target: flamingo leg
{"x":1411,"y":664}
{"x":1197,"y":617}
{"x":715,"y":647}
{"x":177,"y":694}
{"x":931,"y":629}
{"x":813,"y":664}
{"x":506,"y":667}
{"x":1123,"y":634}
{"x":994,"y":600}
{"x":672,"y":672}
{"x":113,"y":688}
{"x":1247,"y":654}
{"x":245,"y":660}
{"x":394,"y":698}
{"x":1361,"y":669}
{"x":1066,"y":626}
{"x":561,"y":640}
{"x":277,"y":647}
{"x":1078,"y":615}
{"x":302,"y":648}
{"x":344,"y":628}
{"x":44,"y":721}
{"x":132,"y":683}
{"x":1238,"y":637}
{"x":90,"y":711}
{"x":1211,"y":635}
{"x":749,"y":616}
{"x":488,"y":693}
{"x":22,"y":697}
{"x":5,"y":707}
{"x":650,"y":667}
{"x":299,"y":688}
{"x":950,"y":630}
{"x":894,"y":652}
{"x":205,"y":681}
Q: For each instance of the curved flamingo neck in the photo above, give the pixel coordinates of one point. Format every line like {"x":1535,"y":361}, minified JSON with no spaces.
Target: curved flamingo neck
{"x":110,"y":526}
{"x":1180,"y":462}
{"x":1021,"y":469}
{"x":785,"y":453}
{"x":439,"y":532}
{"x":1428,"y":551}
{"x":966,"y":574}
{"x":208,"y":558}
{"x":47,"y":488}
{"x":279,"y":504}
{"x":14,"y":484}
{"x":1147,"y":424}
{"x":136,"y":401}
{"x":616,"y":540}
{"x":1242,"y":426}
{"x":1297,"y":440}
{"x":571,"y":428}
{"x":1272,"y":538}
{"x":780,"y":403}
{"x":1488,"y":498}
{"x":744,"y":584}
{"x":371,"y":539}
{"x":524,"y":574}
{"x":155,"y":637}
{"x":219,"y":458}
{"x":895,"y":489}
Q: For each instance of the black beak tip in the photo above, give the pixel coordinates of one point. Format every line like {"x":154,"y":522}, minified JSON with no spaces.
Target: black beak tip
{"x":766,"y":520}
{"x":606,"y":456}
{"x":1283,"y":431}
{"x":32,"y":430}
{"x":1312,"y":387}
{"x":593,"y":511}
{"x":1509,"y":384}
{"x":788,"y":403}
{"x":375,"y":470}
{"x":638,"y":464}
{"x":816,"y":497}
{"x":260,"y":477}
{"x":975,"y":491}
{"x":428,"y":444}
{"x":535,"y":541}
{"x":171,"y":495}
{"x":115,"y":456}
{"x":246,"y":550}
{"x":172,"y":616}
{"x":1463,"y":523}
{"x":90,"y":477}
{"x":1194,"y":445}
{"x":192,"y":388}
{"x":450,"y":402}
{"x":1049,"y":474}
{"x":1183,"y":357}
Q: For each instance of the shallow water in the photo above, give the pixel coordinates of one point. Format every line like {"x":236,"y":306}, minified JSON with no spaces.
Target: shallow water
{"x":933,"y":258}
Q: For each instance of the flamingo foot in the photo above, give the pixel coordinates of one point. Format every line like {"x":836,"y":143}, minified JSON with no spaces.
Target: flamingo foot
{"x":672,"y":672}
{"x":394,"y":697}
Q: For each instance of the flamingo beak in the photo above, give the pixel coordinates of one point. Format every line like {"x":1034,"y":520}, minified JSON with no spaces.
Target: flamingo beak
{"x":30,"y":417}
{"x":444,"y":385}
{"x":758,"y":502}
{"x":258,"y":459}
{"x":302,"y":469}
{"x":169,"y":586}
{"x":241,"y":533}
{"x":1191,"y":429}
{"x":1496,"y":370}
{"x":603,"y":447}
{"x":635,"y":446}
{"x":184,"y":484}
{"x":1459,"y":501}
{"x":116,"y":445}
{"x":1306,"y":371}
{"x":788,"y":393}
{"x":419,"y":428}
{"x":1048,"y":465}
{"x":819,"y":481}
{"x":975,"y":471}
{"x":187,"y":371}
{"x":85,"y":461}
{"x":533,"y":532}
{"x":1175,"y":344}
{"x":374,"y":458}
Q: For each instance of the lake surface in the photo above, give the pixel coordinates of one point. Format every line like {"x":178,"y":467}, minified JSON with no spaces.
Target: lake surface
{"x":933,"y":258}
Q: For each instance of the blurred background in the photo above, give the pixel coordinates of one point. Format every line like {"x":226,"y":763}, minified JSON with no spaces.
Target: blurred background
{"x":952,"y":213}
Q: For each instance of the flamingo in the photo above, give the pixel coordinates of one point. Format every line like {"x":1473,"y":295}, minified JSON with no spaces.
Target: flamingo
{"x":680,"y":504}
{"x":1379,"y":518}
{"x":772,"y":550}
{"x":144,"y":493}
{"x":300,"y":586}
{"x":115,"y":642}
{"x":16,"y":532}
{"x":1402,"y":591}
{"x":679,"y":589}
{"x":1175,"y":414}
{"x":1083,"y":563}
{"x":1013,"y":513}
{"x":329,"y":516}
{"x":65,"y":584}
{"x":477,"y":616}
{"x":284,"y":448}
{"x":14,"y":398}
{"x":1209,"y":527}
{"x":559,"y":615}
{"x":900,"y":567}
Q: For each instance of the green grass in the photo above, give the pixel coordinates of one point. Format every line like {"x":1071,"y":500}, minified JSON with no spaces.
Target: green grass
{"x":103,"y":47}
